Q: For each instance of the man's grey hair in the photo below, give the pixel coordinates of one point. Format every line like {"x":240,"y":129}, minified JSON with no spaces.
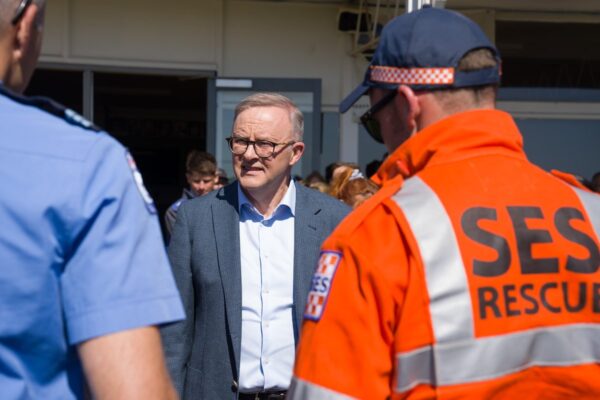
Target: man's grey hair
{"x":8,"y":9}
{"x":274,"y":100}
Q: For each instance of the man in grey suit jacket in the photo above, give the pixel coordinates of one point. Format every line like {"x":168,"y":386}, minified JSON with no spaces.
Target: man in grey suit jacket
{"x":243,"y":258}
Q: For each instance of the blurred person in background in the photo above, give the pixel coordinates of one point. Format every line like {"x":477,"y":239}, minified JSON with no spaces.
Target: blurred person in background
{"x":340,"y":175}
{"x":373,"y":166}
{"x":596,"y":182}
{"x":357,"y":190}
{"x":201,"y":177}
{"x":320,"y":186}
{"x":221,"y":179}
{"x":313,"y":177}
{"x":334,"y":169}
{"x":350,"y":185}
{"x":315,"y":180}
{"x":329,"y":170}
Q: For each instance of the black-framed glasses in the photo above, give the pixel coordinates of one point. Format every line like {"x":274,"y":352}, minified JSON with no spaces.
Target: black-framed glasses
{"x":262,"y":148}
{"x":368,"y":120}
{"x":20,"y":11}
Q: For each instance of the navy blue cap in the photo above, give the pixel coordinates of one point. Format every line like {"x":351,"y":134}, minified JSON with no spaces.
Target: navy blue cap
{"x":422,"y":49}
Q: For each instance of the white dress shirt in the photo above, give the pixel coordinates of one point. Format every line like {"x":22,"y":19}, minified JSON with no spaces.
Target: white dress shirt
{"x":267,"y":262}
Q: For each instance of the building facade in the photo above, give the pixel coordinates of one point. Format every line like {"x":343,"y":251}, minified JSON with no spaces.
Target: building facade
{"x":164,"y":77}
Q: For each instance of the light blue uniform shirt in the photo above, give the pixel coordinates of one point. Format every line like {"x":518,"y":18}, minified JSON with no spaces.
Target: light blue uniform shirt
{"x":81,"y":254}
{"x":267,"y":262}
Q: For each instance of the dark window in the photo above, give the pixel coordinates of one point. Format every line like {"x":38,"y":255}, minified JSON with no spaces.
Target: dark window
{"x":543,"y":54}
{"x":65,"y":87}
{"x":160,"y":119}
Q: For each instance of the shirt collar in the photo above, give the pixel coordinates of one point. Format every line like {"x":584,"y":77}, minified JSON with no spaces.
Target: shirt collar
{"x":189,"y":193}
{"x":287,"y":202}
{"x":464,"y":135}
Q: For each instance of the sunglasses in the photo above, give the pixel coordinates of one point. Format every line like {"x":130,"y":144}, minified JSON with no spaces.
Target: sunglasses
{"x":20,"y":11}
{"x":368,"y":120}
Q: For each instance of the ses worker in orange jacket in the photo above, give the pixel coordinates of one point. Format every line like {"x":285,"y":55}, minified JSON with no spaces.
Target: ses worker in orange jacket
{"x":472,"y":273}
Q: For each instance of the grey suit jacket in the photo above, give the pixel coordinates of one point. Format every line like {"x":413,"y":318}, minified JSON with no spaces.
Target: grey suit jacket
{"x":203,"y":352}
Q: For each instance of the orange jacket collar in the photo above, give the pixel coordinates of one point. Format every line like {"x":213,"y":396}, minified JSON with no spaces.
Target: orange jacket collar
{"x":463,"y":135}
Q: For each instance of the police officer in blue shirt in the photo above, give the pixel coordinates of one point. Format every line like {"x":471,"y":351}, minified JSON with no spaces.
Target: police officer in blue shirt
{"x":84,"y":279}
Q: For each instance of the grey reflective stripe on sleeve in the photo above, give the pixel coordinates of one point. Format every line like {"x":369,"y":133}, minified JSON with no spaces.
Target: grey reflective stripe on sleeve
{"x":470,"y":361}
{"x":591,"y":203}
{"x":450,"y":301}
{"x":300,"y":389}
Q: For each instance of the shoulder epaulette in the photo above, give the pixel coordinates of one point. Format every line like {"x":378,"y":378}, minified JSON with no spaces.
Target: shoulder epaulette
{"x":175,"y":206}
{"x":51,"y":107}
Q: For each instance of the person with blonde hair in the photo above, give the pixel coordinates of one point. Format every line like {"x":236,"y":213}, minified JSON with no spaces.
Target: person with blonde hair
{"x":350,"y":185}
{"x":357,"y":190}
{"x":340,"y":175}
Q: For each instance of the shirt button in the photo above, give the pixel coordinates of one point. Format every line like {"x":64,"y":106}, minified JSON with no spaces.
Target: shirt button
{"x":266,"y":362}
{"x":266,"y":324}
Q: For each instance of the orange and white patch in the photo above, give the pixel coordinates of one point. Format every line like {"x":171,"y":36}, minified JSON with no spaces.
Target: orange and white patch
{"x":321,"y":284}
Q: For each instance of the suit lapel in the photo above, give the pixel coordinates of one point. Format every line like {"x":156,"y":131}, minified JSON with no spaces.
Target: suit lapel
{"x":306,"y":242}
{"x":227,"y":234}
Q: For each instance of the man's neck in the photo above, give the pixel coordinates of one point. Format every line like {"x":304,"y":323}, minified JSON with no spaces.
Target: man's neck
{"x":266,"y":200}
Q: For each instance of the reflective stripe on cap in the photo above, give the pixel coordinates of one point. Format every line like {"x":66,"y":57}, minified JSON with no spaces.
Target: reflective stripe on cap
{"x":412,"y":76}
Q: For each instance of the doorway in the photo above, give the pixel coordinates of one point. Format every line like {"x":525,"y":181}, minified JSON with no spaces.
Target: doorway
{"x":158,"y":117}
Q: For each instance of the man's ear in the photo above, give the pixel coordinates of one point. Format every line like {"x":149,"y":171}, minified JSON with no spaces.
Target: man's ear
{"x":297,"y":151}
{"x":412,"y":106}
{"x":24,"y":32}
{"x":188,"y":178}
{"x":26,"y":37}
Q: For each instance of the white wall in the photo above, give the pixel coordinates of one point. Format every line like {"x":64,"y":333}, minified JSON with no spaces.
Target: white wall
{"x":280,"y":40}
{"x":232,"y":37}
{"x":235,"y":38}
{"x":185,"y":34}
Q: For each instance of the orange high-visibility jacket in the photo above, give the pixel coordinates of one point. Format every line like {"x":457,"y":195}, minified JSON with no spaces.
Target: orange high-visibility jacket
{"x":472,"y":273}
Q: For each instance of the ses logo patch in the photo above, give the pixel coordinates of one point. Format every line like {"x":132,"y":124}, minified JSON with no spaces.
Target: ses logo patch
{"x":321,"y":284}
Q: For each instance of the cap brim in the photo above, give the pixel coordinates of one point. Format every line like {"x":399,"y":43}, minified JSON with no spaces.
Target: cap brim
{"x":353,"y":97}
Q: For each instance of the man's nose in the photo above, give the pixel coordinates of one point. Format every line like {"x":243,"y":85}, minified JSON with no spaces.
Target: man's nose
{"x":250,"y":153}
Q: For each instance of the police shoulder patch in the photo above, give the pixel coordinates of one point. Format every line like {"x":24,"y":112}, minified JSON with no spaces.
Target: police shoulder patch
{"x":139,"y":182}
{"x":175,"y":206}
{"x":73,"y":118}
{"x":321,"y":284}
{"x":51,"y":107}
